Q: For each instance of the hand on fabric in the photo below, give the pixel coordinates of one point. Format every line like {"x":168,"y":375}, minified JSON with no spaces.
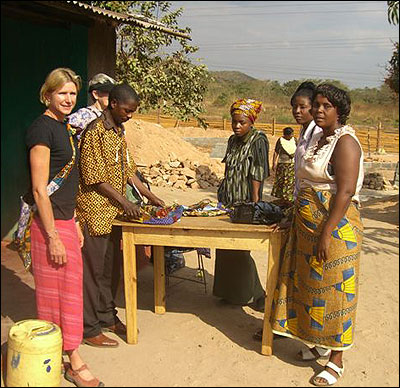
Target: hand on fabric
{"x":156,"y":201}
{"x":131,"y":209}
{"x":284,"y":224}
{"x":323,"y":247}
{"x":57,"y":250}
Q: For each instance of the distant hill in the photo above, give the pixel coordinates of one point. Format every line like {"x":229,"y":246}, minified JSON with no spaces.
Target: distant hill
{"x":234,"y":76}
{"x":369,"y":105}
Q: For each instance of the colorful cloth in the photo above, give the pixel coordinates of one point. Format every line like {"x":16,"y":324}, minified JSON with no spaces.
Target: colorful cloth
{"x":105,"y":157}
{"x":82,"y":118}
{"x":316,"y":302}
{"x":158,"y":215}
{"x":246,"y":159}
{"x":58,"y":288}
{"x":247,"y":107}
{"x":284,"y":181}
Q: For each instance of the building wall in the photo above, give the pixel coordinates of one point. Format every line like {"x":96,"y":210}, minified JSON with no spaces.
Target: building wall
{"x":101,"y":49}
{"x":29,"y":51}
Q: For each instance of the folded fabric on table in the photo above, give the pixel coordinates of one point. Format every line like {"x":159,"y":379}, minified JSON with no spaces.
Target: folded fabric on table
{"x":205,"y":208}
{"x":158,"y":215}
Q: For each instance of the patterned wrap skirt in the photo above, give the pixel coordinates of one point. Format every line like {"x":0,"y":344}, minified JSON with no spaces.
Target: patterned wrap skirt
{"x":59,"y":292}
{"x":316,"y":302}
{"x":284,"y":181}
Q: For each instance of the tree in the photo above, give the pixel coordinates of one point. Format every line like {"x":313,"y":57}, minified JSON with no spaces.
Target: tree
{"x":393,"y":12}
{"x":392,"y":78}
{"x":157,"y":65}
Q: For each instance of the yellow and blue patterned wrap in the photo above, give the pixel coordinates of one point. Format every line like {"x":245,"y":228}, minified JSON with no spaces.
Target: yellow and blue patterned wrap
{"x":316,"y":302}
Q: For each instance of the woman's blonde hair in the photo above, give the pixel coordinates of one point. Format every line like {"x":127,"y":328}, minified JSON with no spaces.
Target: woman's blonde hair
{"x":56,"y":79}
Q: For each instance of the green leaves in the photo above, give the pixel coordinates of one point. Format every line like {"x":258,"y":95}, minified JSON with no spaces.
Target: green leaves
{"x":393,"y":12}
{"x":164,"y":78}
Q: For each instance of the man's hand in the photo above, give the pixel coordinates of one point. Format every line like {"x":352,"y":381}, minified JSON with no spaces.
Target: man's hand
{"x":131,"y":209}
{"x":154,"y":200}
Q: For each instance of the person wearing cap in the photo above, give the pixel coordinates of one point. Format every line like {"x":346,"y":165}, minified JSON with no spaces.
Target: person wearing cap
{"x":236,"y":279}
{"x":99,"y":88}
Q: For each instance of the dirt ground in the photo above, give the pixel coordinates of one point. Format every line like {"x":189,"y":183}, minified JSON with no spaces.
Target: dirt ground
{"x":201,"y":342}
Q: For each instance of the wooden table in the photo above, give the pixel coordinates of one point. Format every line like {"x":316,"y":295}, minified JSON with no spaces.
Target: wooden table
{"x":208,"y":232}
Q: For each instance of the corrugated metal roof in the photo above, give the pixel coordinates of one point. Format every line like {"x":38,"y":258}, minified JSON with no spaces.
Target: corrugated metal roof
{"x":133,"y":19}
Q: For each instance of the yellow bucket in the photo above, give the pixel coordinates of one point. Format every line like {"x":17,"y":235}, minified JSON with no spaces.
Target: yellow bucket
{"x":34,"y":354}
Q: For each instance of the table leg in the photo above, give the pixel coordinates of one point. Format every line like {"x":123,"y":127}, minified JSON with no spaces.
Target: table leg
{"x":272,"y":278}
{"x":130,"y":282}
{"x":159,"y":280}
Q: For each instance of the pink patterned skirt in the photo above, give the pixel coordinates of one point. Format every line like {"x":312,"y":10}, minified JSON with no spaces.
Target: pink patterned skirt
{"x":59,"y":295}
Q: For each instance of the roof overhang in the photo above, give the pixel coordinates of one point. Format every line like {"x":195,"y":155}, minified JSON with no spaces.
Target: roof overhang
{"x":116,"y":17}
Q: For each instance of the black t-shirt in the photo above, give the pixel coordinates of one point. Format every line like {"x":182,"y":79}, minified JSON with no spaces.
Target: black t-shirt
{"x":54,"y":134}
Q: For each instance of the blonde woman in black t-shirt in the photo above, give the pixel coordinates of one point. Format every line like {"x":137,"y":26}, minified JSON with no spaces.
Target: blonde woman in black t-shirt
{"x":56,"y":239}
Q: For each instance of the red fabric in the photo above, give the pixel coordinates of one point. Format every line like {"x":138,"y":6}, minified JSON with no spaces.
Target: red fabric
{"x":59,"y":295}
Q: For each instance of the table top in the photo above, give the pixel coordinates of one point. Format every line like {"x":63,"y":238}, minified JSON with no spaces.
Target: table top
{"x":217,"y":223}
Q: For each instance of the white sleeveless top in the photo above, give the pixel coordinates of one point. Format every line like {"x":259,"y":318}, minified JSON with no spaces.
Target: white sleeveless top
{"x":313,"y":169}
{"x":302,"y":144}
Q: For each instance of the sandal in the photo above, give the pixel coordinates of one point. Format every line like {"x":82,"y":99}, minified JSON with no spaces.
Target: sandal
{"x":313,"y":354}
{"x":329,"y":378}
{"x":74,"y":377}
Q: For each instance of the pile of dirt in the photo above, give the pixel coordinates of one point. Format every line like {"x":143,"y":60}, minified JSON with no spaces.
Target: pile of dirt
{"x":152,"y":144}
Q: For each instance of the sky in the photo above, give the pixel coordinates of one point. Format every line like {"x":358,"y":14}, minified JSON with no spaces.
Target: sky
{"x":350,"y":41}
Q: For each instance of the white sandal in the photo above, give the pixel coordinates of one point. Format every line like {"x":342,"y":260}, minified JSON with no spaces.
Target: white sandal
{"x":308,"y":355}
{"x":329,"y":378}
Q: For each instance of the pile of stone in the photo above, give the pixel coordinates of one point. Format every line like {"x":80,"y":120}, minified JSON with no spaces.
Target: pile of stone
{"x":180,"y":174}
{"x":376,"y":181}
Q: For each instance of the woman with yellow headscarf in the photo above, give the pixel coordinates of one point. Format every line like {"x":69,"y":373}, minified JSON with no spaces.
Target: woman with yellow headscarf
{"x":246,"y":166}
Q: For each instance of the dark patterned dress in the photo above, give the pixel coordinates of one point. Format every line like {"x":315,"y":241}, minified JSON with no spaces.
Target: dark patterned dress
{"x":284,"y":175}
{"x":236,"y":278}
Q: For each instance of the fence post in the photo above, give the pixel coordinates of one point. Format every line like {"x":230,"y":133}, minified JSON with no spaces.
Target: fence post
{"x":369,"y":143}
{"x":158,"y":115}
{"x":224,"y":124}
{"x":273,"y":126}
{"x":378,"y":138}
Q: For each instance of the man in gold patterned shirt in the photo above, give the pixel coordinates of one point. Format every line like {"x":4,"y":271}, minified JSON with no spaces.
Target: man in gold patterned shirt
{"x":105,"y":168}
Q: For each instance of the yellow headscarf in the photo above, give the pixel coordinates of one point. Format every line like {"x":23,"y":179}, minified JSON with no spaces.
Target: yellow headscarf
{"x":247,"y":107}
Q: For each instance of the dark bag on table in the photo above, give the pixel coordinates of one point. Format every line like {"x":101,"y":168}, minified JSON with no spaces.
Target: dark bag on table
{"x":261,"y":213}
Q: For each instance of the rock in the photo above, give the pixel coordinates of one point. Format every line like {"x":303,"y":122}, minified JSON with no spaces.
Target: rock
{"x":194,"y":185}
{"x":188,"y":172}
{"x":175,"y":164}
{"x":181,"y":185}
{"x":167,"y":167}
{"x":190,"y":181}
{"x":173,"y":178}
{"x":154,"y":171}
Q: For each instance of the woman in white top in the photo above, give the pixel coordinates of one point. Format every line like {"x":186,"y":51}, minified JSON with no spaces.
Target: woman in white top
{"x":317,"y":291}
{"x":301,"y":109}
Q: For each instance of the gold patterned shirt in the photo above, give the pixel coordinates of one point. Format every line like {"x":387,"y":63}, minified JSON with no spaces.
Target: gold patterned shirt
{"x":104,"y":158}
